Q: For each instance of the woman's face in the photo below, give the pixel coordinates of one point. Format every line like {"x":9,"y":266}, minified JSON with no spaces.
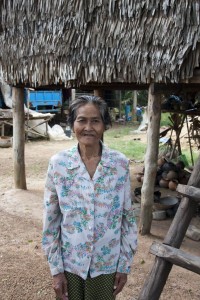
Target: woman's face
{"x":88,"y":126}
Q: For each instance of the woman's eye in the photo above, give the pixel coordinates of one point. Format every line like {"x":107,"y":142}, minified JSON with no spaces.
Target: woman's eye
{"x":85,"y":121}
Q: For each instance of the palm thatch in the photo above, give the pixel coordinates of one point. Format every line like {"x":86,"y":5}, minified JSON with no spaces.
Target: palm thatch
{"x":79,"y":41}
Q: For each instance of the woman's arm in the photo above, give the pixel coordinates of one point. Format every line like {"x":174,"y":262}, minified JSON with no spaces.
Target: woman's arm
{"x":128,"y":231}
{"x":128,"y":239}
{"x":51,"y":225}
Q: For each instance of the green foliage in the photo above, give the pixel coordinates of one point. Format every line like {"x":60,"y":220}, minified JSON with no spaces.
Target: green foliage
{"x":142,"y":97}
{"x":165,"y":119}
{"x":188,"y":155}
{"x":127,"y":97}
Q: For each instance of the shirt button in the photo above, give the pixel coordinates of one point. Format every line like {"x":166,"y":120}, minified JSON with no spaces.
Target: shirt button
{"x":90,"y":227}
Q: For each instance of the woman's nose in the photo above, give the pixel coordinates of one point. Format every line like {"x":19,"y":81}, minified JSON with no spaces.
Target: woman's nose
{"x":88,"y":125}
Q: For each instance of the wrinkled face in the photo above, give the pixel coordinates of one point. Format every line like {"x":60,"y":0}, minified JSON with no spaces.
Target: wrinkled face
{"x":88,"y":126}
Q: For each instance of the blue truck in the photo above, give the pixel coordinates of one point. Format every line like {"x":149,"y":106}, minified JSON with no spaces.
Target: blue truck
{"x":44,"y":101}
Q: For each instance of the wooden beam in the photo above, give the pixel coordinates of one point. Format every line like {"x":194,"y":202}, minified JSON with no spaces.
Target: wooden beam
{"x":189,"y":191}
{"x":151,"y":157}
{"x":176,"y":257}
{"x":113,"y":86}
{"x":160,"y":88}
{"x":152,"y":288}
{"x":18,"y":138}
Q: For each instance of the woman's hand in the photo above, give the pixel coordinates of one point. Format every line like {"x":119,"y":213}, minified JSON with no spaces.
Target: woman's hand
{"x":120,"y":281}
{"x":60,"y":286}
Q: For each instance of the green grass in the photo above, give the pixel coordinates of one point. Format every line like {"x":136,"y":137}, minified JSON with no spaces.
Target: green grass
{"x":114,"y":138}
{"x":117,"y":138}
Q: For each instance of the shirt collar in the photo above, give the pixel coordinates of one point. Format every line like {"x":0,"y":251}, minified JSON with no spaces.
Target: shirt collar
{"x":74,"y":158}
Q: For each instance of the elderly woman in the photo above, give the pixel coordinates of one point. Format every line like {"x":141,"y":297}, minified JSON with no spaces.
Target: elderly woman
{"x":90,"y":234}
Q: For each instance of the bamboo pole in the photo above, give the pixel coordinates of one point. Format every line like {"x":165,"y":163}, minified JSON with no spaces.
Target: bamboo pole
{"x":18,"y":138}
{"x":151,"y":156}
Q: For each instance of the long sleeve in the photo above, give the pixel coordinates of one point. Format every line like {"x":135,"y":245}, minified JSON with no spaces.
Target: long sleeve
{"x":51,"y":225}
{"x":128,"y":232}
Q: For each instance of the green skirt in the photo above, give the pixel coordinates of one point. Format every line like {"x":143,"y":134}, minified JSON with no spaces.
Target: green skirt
{"x":97,"y":288}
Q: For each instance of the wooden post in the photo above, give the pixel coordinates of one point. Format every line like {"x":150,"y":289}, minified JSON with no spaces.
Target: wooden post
{"x":120,"y":104}
{"x":18,"y":138}
{"x":157,"y":278}
{"x":134,"y":105}
{"x":151,"y":156}
{"x":99,"y":93}
{"x":189,"y":140}
{"x":73,"y":94}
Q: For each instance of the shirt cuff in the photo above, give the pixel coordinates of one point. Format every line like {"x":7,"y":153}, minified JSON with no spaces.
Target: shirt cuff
{"x":56,"y":270}
{"x":123,"y":267}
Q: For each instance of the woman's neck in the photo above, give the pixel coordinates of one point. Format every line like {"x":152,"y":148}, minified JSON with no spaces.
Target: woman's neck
{"x":89,"y":152}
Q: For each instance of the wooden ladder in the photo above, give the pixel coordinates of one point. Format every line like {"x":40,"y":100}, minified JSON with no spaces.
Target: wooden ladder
{"x":168,"y":253}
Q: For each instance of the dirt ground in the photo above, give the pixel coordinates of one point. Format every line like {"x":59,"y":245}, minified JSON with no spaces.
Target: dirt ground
{"x":24,"y":271}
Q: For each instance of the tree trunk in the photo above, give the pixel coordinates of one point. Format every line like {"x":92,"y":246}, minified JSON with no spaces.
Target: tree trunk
{"x":151,"y":156}
{"x":18,"y":138}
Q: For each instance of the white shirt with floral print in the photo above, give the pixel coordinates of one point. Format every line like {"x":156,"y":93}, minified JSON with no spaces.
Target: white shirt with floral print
{"x":89,"y":225}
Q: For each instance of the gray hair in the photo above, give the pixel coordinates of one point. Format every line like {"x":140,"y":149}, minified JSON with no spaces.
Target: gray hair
{"x":97,"y":101}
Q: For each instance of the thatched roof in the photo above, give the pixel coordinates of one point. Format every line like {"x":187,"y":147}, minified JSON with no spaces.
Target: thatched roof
{"x":51,"y":41}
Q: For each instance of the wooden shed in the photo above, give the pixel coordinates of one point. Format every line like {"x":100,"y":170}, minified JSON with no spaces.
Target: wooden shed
{"x":101,"y":44}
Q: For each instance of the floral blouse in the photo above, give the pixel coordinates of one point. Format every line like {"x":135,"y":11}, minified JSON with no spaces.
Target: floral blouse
{"x":89,"y":224}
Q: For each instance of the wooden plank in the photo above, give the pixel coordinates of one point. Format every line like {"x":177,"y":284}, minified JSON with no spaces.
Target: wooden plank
{"x":189,"y":191}
{"x":176,"y":256}
{"x":157,"y":278}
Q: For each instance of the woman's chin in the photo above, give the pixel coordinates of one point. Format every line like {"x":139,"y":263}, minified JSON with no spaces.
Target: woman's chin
{"x":89,"y":142}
